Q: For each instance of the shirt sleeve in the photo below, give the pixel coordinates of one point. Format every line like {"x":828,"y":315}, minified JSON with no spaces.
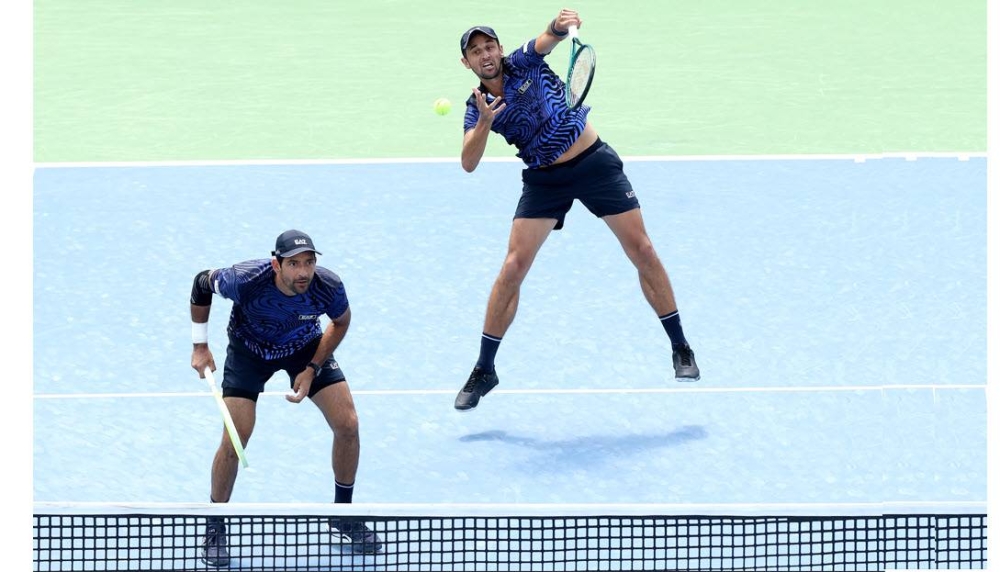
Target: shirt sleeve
{"x":231,"y":282}
{"x":225,"y":283}
{"x":339,"y":304}
{"x":330,"y":293}
{"x":525,"y":56}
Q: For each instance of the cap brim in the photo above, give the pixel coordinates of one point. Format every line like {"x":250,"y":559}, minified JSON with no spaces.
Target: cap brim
{"x":298,"y":251}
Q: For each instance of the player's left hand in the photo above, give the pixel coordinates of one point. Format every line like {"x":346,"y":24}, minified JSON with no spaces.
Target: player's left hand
{"x":300,"y":388}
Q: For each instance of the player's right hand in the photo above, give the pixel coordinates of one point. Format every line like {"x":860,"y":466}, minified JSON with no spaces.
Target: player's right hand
{"x":567,"y":18}
{"x":201,"y":357}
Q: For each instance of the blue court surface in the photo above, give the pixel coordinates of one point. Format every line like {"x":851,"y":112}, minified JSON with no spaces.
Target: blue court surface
{"x":837,"y":309}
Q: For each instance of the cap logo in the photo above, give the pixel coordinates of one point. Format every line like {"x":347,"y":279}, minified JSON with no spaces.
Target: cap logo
{"x":292,"y":242}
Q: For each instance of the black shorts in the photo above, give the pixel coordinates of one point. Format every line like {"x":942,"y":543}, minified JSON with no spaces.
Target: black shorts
{"x":595,"y":177}
{"x":246,"y":373}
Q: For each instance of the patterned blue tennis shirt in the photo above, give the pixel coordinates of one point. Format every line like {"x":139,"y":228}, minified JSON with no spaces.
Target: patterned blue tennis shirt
{"x":536,"y":120}
{"x":268,"y":322}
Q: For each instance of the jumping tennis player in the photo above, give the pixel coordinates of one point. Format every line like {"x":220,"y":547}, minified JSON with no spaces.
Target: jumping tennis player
{"x":521,"y":98}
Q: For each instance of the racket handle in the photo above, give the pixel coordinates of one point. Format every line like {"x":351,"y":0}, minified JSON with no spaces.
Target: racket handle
{"x":572,"y":31}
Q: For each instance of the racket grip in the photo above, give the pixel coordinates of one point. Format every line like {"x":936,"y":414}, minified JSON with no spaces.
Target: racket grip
{"x":572,"y":31}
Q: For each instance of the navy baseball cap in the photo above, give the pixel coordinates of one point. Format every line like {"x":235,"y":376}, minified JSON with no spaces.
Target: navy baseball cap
{"x":292,"y":242}
{"x":480,"y":29}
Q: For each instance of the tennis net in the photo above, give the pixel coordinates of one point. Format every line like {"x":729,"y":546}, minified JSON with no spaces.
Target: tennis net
{"x":863,"y":536}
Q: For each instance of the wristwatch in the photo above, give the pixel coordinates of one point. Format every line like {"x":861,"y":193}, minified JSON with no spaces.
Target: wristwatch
{"x":316,"y":368}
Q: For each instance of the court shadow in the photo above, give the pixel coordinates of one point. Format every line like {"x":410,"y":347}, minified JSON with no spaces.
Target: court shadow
{"x":592,"y":449}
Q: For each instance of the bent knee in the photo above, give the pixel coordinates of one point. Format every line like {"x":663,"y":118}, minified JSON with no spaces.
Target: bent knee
{"x":347,"y":426}
{"x":226,"y":447}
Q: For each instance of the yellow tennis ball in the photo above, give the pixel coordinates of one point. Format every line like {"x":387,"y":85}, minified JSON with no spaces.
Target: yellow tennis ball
{"x":442,"y":106}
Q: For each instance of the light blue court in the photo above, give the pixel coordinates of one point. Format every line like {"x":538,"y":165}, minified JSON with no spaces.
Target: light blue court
{"x":838,"y":312}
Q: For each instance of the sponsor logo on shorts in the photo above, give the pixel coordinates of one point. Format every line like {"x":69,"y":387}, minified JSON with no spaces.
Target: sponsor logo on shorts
{"x":630,"y":195}
{"x":334,"y":365}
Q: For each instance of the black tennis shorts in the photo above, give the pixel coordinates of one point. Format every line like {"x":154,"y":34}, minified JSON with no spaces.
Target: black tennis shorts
{"x":594,"y":177}
{"x":246,"y":372}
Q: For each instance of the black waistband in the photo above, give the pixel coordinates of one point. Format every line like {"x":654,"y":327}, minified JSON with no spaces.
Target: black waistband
{"x":576,"y":160}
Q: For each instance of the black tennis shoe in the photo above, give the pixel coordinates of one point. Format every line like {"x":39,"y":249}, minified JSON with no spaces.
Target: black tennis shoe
{"x":355,"y":536}
{"x":213,"y":546}
{"x":480,"y":383}
{"x":685,"y":368}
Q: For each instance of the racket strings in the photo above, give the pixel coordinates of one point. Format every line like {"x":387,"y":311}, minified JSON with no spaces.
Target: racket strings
{"x":580,"y":74}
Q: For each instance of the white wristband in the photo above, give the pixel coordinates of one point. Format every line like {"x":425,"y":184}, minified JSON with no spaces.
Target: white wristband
{"x":199,"y":333}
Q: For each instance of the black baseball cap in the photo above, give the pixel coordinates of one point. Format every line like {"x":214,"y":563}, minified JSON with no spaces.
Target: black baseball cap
{"x":292,"y":242}
{"x":480,"y":29}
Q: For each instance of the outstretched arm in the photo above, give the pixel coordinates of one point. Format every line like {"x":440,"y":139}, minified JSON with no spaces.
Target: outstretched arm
{"x":556,"y":31}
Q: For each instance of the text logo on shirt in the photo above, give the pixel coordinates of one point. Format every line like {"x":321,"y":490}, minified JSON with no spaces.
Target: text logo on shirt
{"x":308,"y":316}
{"x":524,"y":87}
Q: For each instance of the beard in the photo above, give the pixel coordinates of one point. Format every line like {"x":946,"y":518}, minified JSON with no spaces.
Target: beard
{"x":297,"y":287}
{"x":496,"y":72}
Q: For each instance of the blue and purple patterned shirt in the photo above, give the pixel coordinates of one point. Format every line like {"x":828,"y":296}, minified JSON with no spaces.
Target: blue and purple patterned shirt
{"x":271,"y":324}
{"x":536,"y":120}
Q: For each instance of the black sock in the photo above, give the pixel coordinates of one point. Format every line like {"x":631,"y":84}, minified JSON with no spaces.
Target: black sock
{"x":672,"y":324}
{"x":344,"y":493}
{"x":214,"y":521}
{"x":488,"y":347}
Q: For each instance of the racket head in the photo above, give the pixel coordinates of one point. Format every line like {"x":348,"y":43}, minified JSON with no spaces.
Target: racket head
{"x":582,"y":64}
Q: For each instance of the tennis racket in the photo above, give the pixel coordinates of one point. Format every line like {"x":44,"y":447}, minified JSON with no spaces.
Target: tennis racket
{"x":234,"y":437}
{"x":582,"y":63}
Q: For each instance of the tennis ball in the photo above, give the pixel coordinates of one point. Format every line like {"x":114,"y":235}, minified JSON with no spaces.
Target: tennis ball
{"x":442,"y":106}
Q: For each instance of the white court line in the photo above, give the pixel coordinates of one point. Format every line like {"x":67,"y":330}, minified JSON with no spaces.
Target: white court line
{"x":595,"y":391}
{"x":856,"y":157}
